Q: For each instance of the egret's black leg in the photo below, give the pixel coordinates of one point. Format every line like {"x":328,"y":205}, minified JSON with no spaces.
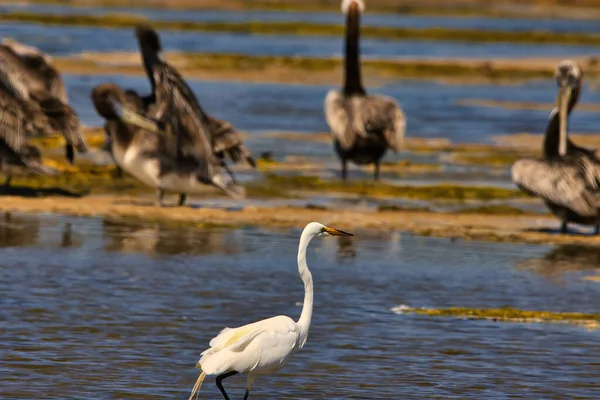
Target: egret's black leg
{"x":159,"y":197}
{"x":377,"y":170}
{"x":597,"y":230}
{"x":182,"y":199}
{"x":563,"y":228}
{"x":344,"y":170}
{"x":220,"y":385}
{"x":246,"y":394}
{"x":6,"y":184}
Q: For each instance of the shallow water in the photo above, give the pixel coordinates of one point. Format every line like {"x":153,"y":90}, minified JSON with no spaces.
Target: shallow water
{"x":64,"y":40}
{"x":433,"y":109}
{"x":98,"y":309}
{"x":368,"y":19}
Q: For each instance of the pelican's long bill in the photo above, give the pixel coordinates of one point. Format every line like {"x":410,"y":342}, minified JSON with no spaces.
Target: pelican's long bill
{"x":133,"y":118}
{"x":336,"y":232}
{"x":564,"y":95}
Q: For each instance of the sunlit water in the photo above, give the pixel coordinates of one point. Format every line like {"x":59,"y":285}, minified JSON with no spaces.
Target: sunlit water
{"x":94,"y":309}
{"x":65,"y":40}
{"x":368,"y":19}
{"x":433,"y":109}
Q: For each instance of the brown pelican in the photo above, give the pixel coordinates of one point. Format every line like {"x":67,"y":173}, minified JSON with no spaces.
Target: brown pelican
{"x":152,"y":156}
{"x":30,"y":75}
{"x":173,"y":100}
{"x":568,"y":176}
{"x":363,"y":126}
{"x":17,"y":122}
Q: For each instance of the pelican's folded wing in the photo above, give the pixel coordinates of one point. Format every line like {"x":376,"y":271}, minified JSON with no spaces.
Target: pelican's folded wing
{"x":226,"y":139}
{"x":563,"y":184}
{"x":338,"y":118}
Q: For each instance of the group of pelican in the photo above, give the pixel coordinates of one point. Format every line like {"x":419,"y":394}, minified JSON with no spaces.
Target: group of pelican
{"x":33,"y":102}
{"x":168,"y":141}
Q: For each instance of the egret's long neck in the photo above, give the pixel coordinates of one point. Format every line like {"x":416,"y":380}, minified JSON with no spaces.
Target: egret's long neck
{"x":353,"y":80}
{"x":552,"y":137}
{"x":306,"y":276}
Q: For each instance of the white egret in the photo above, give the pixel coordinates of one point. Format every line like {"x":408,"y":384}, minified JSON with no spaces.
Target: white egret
{"x":265,"y":346}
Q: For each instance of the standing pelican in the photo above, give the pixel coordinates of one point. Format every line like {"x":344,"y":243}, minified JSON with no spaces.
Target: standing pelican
{"x":173,"y":100}
{"x":17,"y":122}
{"x":265,"y":346}
{"x":30,"y":75}
{"x":363,"y":126}
{"x":568,"y":176}
{"x":151,"y":156}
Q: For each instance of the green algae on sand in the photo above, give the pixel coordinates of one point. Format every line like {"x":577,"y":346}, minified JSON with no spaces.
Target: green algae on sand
{"x":369,"y":188}
{"x":507,"y":314}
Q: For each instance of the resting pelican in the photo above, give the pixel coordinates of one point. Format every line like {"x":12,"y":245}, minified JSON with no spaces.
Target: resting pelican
{"x":30,"y":75}
{"x":17,"y":122}
{"x":265,"y":346}
{"x":363,"y":126}
{"x":173,"y":100}
{"x":568,"y":176}
{"x":142,"y":150}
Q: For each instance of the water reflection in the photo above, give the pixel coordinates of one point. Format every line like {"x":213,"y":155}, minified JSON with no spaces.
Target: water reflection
{"x":18,"y":230}
{"x":160,"y":239}
{"x":562,"y":260}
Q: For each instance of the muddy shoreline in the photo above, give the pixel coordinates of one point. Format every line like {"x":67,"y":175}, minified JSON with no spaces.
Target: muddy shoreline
{"x":493,"y":228}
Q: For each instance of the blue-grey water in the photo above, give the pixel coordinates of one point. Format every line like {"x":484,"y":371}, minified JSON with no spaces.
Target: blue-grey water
{"x":65,"y":40}
{"x":368,"y":19}
{"x":105,"y":310}
{"x":433,"y":109}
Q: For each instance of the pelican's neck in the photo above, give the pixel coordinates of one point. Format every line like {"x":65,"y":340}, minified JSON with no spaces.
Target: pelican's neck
{"x":552,"y":136}
{"x":150,"y":58}
{"x":306,"y":276}
{"x":353,"y":80}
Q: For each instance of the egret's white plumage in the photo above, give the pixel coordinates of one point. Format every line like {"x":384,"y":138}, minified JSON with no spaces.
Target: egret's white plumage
{"x":265,"y":346}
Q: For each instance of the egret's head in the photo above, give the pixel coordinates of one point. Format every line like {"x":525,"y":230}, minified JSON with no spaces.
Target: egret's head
{"x":353,"y":5}
{"x":318,"y":229}
{"x":568,"y":74}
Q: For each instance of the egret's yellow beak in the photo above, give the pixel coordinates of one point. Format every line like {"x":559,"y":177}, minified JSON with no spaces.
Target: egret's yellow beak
{"x":335,"y":232}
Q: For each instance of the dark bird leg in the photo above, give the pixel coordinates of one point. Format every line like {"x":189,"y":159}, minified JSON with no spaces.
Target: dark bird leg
{"x":7,"y":184}
{"x":160,"y":194}
{"x":597,"y":230}
{"x":182,"y":199}
{"x":246,"y":394}
{"x":563,"y":228}
{"x":220,"y":385}
{"x":118,"y":172}
{"x":344,"y":170}
{"x":377,"y":170}
{"x":70,"y":153}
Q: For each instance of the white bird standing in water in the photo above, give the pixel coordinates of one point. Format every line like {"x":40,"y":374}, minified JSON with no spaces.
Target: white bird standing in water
{"x":265,"y":346}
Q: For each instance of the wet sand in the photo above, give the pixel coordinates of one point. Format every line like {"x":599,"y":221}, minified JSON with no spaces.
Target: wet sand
{"x":495,"y":228}
{"x":314,"y":71}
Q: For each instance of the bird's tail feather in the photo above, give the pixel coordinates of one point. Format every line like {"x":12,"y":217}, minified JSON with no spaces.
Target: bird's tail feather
{"x":196,"y":388}
{"x":42,"y":169}
{"x":229,"y":186}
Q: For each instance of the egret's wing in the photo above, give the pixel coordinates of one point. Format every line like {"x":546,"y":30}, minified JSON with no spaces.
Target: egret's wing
{"x":382,"y":114}
{"x":337,"y":115}
{"x":249,"y":346}
{"x":571,"y":185}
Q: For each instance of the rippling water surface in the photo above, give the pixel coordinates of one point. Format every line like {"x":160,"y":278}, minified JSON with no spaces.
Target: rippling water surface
{"x":368,"y":19}
{"x":65,"y":40}
{"x":99,"y":309}
{"x":433,"y":109}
